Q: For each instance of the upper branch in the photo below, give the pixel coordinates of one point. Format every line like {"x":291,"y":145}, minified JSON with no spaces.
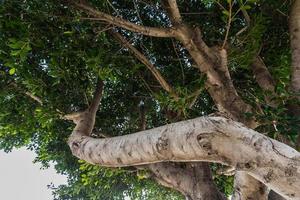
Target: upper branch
{"x":27,"y":93}
{"x":173,"y":10}
{"x":146,"y":62}
{"x":150,"y":31}
{"x":97,"y":97}
{"x":85,"y":120}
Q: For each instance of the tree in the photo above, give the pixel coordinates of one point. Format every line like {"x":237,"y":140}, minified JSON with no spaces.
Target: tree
{"x":216,"y":72}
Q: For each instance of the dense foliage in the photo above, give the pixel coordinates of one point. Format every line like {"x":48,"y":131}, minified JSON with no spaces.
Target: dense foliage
{"x":56,"y":53}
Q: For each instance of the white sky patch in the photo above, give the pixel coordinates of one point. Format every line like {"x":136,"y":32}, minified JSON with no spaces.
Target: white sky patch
{"x":21,"y":179}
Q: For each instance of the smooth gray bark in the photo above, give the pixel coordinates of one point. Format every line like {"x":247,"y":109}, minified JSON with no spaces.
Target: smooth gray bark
{"x":212,"y":139}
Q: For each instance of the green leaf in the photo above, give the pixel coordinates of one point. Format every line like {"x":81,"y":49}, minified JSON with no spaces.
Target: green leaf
{"x":225,"y":12}
{"x":246,"y":7}
{"x":68,"y":32}
{"x":12,"y":71}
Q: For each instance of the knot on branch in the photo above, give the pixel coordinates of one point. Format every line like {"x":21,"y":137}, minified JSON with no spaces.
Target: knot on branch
{"x":270,"y":176}
{"x":75,"y":117}
{"x":162,"y":144}
{"x":204,"y":142}
{"x":246,"y":166}
{"x":75,"y":142}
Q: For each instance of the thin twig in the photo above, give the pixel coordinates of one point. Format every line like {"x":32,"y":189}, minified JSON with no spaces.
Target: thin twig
{"x":220,"y":5}
{"x":142,"y":58}
{"x":27,"y":93}
{"x":228,"y":25}
{"x":181,"y":66}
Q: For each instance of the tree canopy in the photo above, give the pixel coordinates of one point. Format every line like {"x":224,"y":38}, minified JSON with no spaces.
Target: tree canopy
{"x":53,"y":54}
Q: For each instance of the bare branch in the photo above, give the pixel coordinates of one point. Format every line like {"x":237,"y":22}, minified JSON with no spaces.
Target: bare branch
{"x":36,"y":98}
{"x":228,"y":25}
{"x":97,"y":97}
{"x":27,"y":93}
{"x":262,"y":75}
{"x":172,"y":9}
{"x":150,"y":31}
{"x":85,"y":120}
{"x":146,"y":62}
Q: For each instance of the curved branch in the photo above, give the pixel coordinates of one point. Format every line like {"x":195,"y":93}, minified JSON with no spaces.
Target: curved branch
{"x":219,"y":84}
{"x":212,"y":139}
{"x":85,"y":120}
{"x":165,"y":85}
{"x":262,"y":75}
{"x":27,"y":93}
{"x":150,"y":31}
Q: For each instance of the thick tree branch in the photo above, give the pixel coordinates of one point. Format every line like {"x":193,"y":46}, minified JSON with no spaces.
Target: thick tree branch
{"x":221,"y":89}
{"x":97,"y":97}
{"x":98,"y":15}
{"x":295,"y":47}
{"x":219,"y":83}
{"x":179,"y":178}
{"x":194,"y":180}
{"x":213,"y":139}
{"x":262,"y":75}
{"x":173,"y":11}
{"x":85,"y":120}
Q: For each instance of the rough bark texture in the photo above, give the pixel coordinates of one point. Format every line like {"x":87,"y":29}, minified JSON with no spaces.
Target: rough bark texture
{"x":214,"y":65}
{"x":194,"y":180}
{"x":221,"y":89}
{"x":212,"y":139}
{"x":246,"y":187}
{"x":295,"y":47}
{"x":100,"y":16}
{"x":262,"y":75}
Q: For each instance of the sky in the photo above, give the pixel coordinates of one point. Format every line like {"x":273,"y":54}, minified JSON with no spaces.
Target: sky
{"x":20,"y":179}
